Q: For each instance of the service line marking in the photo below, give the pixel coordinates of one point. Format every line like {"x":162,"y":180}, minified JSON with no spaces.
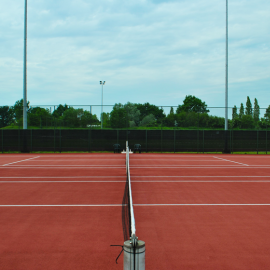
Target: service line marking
{"x":231,"y":161}
{"x":20,"y":161}
{"x":120,"y":205}
{"x":146,"y":181}
{"x":57,"y":177}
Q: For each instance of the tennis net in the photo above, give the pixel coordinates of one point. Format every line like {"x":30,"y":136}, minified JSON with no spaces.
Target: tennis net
{"x":128,"y":219}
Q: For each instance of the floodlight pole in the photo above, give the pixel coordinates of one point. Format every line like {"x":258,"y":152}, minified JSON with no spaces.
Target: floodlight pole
{"x":25,"y":69}
{"x":226,"y":83}
{"x":101,"y":116}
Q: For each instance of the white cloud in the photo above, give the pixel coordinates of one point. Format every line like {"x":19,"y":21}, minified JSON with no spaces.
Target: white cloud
{"x":155,"y":51}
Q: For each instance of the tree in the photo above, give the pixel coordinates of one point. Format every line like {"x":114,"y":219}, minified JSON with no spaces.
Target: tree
{"x":147,"y":109}
{"x":234,"y":112}
{"x":37,"y":116}
{"x":248,"y":110}
{"x":241,"y":111}
{"x":256,"y":112}
{"x":133,"y":114}
{"x":87,"y":119}
{"x":18,"y":109}
{"x":118,"y":116}
{"x":60,"y":110}
{"x":148,"y":120}
{"x":247,"y":122}
{"x":171,"y":111}
{"x":192,"y":104}
{"x":267,"y":114}
{"x":6,"y":116}
{"x":72,"y":117}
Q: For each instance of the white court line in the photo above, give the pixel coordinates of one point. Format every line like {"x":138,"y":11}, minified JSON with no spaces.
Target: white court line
{"x":120,"y":205}
{"x":57,"y":177}
{"x":134,"y":167}
{"x":20,"y":161}
{"x":117,"y":166}
{"x":206,"y":204}
{"x":123,"y":181}
{"x":200,"y":176}
{"x":62,"y":205}
{"x":149,"y":181}
{"x":231,"y":161}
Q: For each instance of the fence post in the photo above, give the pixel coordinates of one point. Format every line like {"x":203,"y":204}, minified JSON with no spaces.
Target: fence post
{"x":54,"y":138}
{"x":174,"y":140}
{"x":19,"y":141}
{"x":257,"y":141}
{"x":2,"y":141}
{"x":89,"y":139}
{"x":31,"y":141}
{"x":232,"y":142}
{"x":60,"y":139}
{"x":197,"y":141}
{"x":161,"y":144}
{"x":266,"y":140}
{"x":203,"y":141}
{"x":146,"y":139}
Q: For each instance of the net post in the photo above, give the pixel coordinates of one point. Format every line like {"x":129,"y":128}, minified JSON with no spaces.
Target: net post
{"x":134,"y":256}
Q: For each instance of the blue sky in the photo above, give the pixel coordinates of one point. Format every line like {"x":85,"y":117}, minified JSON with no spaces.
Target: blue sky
{"x":146,"y":51}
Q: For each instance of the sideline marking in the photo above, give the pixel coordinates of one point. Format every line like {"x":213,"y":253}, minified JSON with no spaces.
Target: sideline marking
{"x":120,"y":205}
{"x":231,"y":161}
{"x":20,"y":161}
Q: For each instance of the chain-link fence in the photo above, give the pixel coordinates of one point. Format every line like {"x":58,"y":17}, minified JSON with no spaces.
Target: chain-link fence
{"x":90,"y":140}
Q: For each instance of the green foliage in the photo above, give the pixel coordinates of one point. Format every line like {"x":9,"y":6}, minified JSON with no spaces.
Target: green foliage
{"x":148,"y":121}
{"x":192,"y":104}
{"x":88,"y":119}
{"x":169,"y":121}
{"x":37,"y":116}
{"x":256,"y":112}
{"x":118,"y":116}
{"x":248,"y":110}
{"x":133,"y":114}
{"x":241,"y":111}
{"x":18,"y":110}
{"x":6,"y":116}
{"x":147,"y":109}
{"x":267,"y":114}
{"x":105,"y":119}
{"x":171,"y":110}
{"x":247,"y":122}
{"x":234,"y":112}
{"x":60,"y":111}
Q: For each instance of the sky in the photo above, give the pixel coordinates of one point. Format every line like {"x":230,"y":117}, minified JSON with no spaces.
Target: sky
{"x":146,"y":50}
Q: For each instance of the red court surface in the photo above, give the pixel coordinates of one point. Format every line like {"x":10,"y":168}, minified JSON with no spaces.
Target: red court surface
{"x":63,"y":211}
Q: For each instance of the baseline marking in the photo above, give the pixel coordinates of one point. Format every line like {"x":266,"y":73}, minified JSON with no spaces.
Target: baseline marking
{"x":147,"y":181}
{"x":20,"y":161}
{"x":231,"y":161}
{"x":120,"y":205}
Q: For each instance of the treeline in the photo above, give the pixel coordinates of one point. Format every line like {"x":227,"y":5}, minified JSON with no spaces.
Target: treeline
{"x":193,"y":113}
{"x":249,"y":117}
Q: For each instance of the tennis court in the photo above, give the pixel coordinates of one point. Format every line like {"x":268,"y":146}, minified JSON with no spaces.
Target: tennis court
{"x":63,"y":211}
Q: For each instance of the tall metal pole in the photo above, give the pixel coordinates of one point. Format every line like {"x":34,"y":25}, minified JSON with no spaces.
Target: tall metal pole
{"x":102,"y":106}
{"x":25,"y":69}
{"x":226,"y":83}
